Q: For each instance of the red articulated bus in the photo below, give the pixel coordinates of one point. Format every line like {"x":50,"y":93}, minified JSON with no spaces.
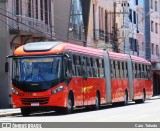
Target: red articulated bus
{"x":63,"y":76}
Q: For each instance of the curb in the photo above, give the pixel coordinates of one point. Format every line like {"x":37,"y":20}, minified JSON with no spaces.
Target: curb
{"x":9,"y":114}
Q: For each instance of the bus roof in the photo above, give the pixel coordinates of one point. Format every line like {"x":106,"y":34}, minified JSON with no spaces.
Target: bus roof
{"x":118,"y":56}
{"x":49,"y":48}
{"x":57,"y":47}
{"x":139,"y":60}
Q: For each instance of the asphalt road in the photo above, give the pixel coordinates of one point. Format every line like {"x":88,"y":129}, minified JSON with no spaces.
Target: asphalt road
{"x":147,"y":112}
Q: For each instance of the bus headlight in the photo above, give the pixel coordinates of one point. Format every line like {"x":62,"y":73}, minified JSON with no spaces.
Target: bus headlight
{"x":58,"y":89}
{"x":15,"y":91}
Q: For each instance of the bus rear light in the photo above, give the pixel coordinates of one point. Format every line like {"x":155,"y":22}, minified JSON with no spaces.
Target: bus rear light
{"x":58,"y":89}
{"x":15,"y":91}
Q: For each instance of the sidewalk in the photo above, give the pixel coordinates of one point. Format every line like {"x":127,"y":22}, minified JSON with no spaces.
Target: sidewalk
{"x":12,"y":112}
{"x":9,"y":112}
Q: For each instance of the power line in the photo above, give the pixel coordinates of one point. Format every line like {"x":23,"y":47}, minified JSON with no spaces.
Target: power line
{"x":60,"y":38}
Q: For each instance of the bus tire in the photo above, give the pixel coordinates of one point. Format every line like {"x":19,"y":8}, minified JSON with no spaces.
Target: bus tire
{"x":69,"y":107}
{"x":143,"y":98}
{"x":97,"y":104}
{"x":125,"y":102}
{"x":25,"y":111}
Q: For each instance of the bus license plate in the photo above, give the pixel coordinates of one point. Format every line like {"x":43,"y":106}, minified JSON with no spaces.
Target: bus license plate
{"x":34,"y":104}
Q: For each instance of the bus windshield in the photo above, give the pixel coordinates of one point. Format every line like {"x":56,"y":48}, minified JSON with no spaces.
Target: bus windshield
{"x":37,"y":69}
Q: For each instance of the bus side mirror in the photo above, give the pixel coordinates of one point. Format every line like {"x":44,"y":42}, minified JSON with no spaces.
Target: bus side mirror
{"x":6,"y":67}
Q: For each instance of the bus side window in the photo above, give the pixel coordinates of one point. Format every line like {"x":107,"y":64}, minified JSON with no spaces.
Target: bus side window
{"x":73,"y":65}
{"x":148,"y":72}
{"x":114,"y":69}
{"x":91,"y":59}
{"x":98,"y":65}
{"x":111,"y":67}
{"x":140,"y":71}
{"x":67,"y":68}
{"x":78,"y":66}
{"x":89,"y":67}
{"x":126,"y":69}
{"x":136,"y":70}
{"x":145,"y":71}
{"x":117,"y":69}
{"x":95,"y":69}
{"x":121,"y":69}
{"x":84,"y":66}
{"x":101,"y":69}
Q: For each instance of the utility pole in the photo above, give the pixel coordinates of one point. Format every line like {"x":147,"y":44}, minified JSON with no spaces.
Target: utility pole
{"x":114,"y":35}
{"x":115,"y":39}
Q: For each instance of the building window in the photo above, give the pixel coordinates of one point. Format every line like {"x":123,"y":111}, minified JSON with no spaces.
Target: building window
{"x":101,"y":16}
{"x":152,"y":26}
{"x":41,"y":9}
{"x":134,"y":15}
{"x":17,"y":7}
{"x":106,"y":27}
{"x":151,"y":4}
{"x":77,"y":29}
{"x":156,"y":6}
{"x":130,"y":41}
{"x":152,"y":49}
{"x":134,"y":44}
{"x":36,"y":9}
{"x":29,"y":8}
{"x":130,"y":15}
{"x":143,"y":47}
{"x":46,"y":11}
{"x":136,"y":2}
{"x":101,"y":23}
{"x":156,"y":28}
{"x":157,"y":50}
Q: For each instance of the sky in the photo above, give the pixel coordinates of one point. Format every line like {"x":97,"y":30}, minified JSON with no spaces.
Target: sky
{"x":140,"y":2}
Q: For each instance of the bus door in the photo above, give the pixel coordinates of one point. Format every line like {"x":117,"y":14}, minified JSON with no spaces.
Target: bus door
{"x":85,"y":80}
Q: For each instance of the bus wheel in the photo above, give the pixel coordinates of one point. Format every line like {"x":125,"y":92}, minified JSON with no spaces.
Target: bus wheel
{"x":69,"y":107}
{"x":97,"y":105}
{"x":143,"y":98}
{"x":25,"y":111}
{"x":125,"y":102}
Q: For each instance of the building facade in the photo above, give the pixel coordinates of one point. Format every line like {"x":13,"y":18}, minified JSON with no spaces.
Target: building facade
{"x":131,"y":25}
{"x":24,"y":21}
{"x":122,"y":25}
{"x":152,"y":38}
{"x":132,"y":40}
{"x":100,"y":24}
{"x":143,"y":37}
{"x":21,"y":22}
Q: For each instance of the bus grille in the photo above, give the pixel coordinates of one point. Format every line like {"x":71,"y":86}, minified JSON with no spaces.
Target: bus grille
{"x":28,"y":101}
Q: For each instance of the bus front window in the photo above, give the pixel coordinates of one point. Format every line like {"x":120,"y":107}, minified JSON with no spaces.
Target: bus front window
{"x":37,"y":69}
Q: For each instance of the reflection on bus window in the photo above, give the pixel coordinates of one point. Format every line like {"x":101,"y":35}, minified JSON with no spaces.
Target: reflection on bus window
{"x":37,"y":70}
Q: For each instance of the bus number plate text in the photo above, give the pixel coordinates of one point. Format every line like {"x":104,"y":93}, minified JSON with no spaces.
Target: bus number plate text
{"x":34,"y":104}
